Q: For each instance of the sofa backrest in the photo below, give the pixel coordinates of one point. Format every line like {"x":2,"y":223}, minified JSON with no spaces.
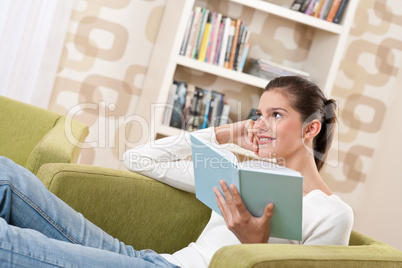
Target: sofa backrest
{"x":22,"y":127}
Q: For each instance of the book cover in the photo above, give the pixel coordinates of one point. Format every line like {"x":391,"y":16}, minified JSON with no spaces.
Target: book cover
{"x":232,"y":30}
{"x":225,"y":37}
{"x":187,"y":33}
{"x":297,"y":4}
{"x":199,"y":95}
{"x":217,"y":99}
{"x":177,"y":119}
{"x":234,"y":43}
{"x":258,"y":184}
{"x":309,"y":7}
{"x":201,"y":30}
{"x":206,"y":104}
{"x":169,"y":105}
{"x":225,"y":114}
{"x":332,"y":12}
{"x":340,"y":11}
{"x":205,"y":38}
{"x":188,"y":103}
{"x":317,"y":8}
{"x":214,"y":40}
{"x":324,"y":9}
{"x":193,"y":32}
{"x":238,"y":46}
{"x":245,"y":48}
{"x":219,"y":43}
{"x":305,"y":5}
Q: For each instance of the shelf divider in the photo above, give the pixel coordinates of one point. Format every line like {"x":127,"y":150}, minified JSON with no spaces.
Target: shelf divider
{"x":222,"y":72}
{"x":291,"y":15}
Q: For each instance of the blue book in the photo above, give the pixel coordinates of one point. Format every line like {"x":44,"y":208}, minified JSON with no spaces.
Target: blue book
{"x":258,"y":182}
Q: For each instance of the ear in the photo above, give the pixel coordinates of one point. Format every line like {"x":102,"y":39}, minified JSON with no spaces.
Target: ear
{"x":312,"y":129}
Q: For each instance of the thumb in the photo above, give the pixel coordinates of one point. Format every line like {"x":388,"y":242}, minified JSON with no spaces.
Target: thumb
{"x":269,"y":211}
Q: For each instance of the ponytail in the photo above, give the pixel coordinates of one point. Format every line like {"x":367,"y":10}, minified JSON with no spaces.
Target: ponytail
{"x":322,"y":142}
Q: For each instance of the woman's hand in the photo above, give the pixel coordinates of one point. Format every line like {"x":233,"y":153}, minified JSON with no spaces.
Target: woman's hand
{"x":248,"y":229}
{"x":240,"y":133}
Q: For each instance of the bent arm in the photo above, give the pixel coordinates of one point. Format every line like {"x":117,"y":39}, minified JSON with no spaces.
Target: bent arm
{"x":168,"y":160}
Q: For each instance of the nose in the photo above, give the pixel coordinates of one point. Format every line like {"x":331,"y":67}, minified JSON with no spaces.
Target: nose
{"x":261,"y":125}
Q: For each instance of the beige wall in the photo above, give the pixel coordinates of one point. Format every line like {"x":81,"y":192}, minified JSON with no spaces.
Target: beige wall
{"x":379,"y":212}
{"x":106,"y":55}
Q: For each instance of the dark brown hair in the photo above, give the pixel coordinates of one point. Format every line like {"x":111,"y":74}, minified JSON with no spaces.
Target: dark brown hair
{"x":310,"y":102}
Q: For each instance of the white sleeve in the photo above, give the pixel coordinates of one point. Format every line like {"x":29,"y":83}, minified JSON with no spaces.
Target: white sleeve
{"x":168,"y":160}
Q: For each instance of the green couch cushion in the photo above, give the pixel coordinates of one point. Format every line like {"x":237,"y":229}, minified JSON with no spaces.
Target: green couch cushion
{"x":135,"y":209}
{"x":22,"y":127}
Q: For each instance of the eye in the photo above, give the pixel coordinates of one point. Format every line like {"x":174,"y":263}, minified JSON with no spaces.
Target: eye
{"x":277,"y":115}
{"x":256,"y":116}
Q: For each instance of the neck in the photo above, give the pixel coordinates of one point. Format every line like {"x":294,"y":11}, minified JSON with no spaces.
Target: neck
{"x":305,"y":164}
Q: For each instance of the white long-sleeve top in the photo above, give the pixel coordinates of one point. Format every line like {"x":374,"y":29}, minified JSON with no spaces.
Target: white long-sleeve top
{"x":327,"y":220}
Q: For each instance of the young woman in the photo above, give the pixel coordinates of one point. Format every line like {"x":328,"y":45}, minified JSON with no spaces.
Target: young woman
{"x":37,"y":229}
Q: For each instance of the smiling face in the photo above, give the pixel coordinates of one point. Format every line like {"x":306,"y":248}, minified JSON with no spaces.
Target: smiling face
{"x":279,"y":127}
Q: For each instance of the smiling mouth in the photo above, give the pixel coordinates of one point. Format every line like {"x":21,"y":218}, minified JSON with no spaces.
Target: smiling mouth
{"x":265,"y":139}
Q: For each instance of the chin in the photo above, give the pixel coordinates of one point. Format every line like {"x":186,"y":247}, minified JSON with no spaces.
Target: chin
{"x":268,"y":154}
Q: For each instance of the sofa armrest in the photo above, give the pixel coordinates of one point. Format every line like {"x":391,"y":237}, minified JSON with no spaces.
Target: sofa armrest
{"x":62,"y":144}
{"x":137,"y":210}
{"x":372,"y":253}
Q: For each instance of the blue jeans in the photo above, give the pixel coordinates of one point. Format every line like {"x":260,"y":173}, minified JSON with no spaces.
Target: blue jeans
{"x":37,"y":229}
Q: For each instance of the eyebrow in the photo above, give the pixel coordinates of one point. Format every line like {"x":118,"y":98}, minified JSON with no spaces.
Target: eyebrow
{"x":273,"y":109}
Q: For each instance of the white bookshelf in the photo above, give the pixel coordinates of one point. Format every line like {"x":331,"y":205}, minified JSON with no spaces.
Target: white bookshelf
{"x":322,"y":61}
{"x":291,"y":15}
{"x":222,"y":72}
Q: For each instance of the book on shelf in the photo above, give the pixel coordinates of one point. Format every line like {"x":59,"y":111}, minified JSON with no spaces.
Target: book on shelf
{"x":191,"y":108}
{"x":200,"y":34}
{"x":206,"y":38}
{"x":225,"y":37}
{"x":297,"y":5}
{"x":177,"y":117}
{"x":192,"y":35}
{"x":216,"y":39}
{"x":259,"y":183}
{"x":329,"y":10}
{"x":235,"y":43}
{"x":341,"y":10}
{"x":310,"y":7}
{"x":224,"y":117}
{"x":187,"y":33}
{"x":232,"y":31}
{"x":324,"y":9}
{"x":334,"y":8}
{"x":270,"y":70}
{"x":169,"y":104}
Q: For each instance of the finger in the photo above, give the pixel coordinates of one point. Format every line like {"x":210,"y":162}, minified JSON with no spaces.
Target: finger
{"x":256,"y":149}
{"x":226,"y":192}
{"x":220,"y":200}
{"x":241,"y":208}
{"x":229,"y":198}
{"x":268,"y":212}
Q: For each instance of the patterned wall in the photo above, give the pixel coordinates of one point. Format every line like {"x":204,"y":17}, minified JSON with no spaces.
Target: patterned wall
{"x":105,"y":58}
{"x":109,"y":44}
{"x":367,"y":78}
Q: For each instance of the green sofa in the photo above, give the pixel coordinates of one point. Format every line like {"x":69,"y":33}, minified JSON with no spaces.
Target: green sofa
{"x":32,"y":136}
{"x":148,"y":214}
